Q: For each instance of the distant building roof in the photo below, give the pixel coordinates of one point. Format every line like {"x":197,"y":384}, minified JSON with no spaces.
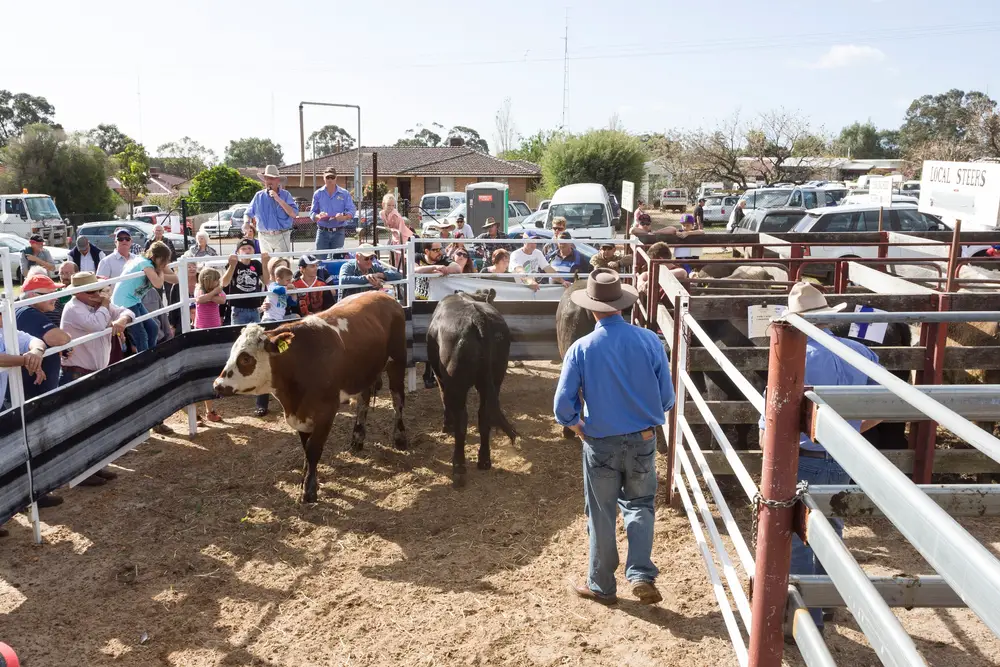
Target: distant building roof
{"x":419,"y":161}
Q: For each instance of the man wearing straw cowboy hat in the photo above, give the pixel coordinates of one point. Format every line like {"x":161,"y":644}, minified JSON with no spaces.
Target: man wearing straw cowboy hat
{"x":623,"y":375}
{"x":823,"y":367}
{"x":332,"y":209}
{"x":274,"y":211}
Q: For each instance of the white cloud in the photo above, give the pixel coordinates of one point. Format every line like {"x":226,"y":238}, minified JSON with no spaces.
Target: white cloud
{"x":848,"y":55}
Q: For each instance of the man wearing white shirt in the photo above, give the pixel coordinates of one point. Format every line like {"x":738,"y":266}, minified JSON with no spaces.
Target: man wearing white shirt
{"x":86,"y":256}
{"x":111,"y":266}
{"x":464,"y":227}
{"x":529,"y":259}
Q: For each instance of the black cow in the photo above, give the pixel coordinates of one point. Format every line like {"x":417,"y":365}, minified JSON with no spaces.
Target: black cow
{"x":468,"y":344}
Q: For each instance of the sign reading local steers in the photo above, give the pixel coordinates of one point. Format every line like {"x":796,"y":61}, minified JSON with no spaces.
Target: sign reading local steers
{"x":628,"y":195}
{"x":966,"y":191}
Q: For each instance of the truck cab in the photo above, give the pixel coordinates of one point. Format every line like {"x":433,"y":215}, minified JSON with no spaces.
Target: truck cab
{"x":27,"y":214}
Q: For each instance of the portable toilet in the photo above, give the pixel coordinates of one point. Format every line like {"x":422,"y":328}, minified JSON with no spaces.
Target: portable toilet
{"x":486,"y":200}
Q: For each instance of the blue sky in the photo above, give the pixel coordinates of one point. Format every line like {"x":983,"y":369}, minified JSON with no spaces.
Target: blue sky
{"x":211,"y":69}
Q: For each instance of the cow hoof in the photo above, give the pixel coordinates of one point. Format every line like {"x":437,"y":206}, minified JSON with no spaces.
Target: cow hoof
{"x":308,"y":498}
{"x":400,"y":443}
{"x":458,"y":480}
{"x":484,"y":465}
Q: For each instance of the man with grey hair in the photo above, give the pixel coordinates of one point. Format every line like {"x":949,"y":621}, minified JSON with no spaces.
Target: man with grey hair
{"x":274,"y":211}
{"x":85,"y":255}
{"x":158,"y":236}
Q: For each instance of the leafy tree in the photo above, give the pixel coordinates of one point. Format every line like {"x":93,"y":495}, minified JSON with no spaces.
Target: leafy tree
{"x":75,"y":174}
{"x":532,"y":148}
{"x":380,"y":191}
{"x":950,"y":116}
{"x":470,"y":137}
{"x":770,"y":139}
{"x":19,"y":110}
{"x":219,"y":186}
{"x":865,"y":141}
{"x":109,"y":139}
{"x":183,"y":158}
{"x":330,"y":139}
{"x":133,"y":173}
{"x":810,"y":145}
{"x":424,"y":137}
{"x":253,"y":152}
{"x":599,"y":156}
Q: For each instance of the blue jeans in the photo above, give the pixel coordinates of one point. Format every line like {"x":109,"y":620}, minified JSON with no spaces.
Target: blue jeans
{"x":250,"y":316}
{"x":329,"y":239}
{"x":816,"y":471}
{"x":620,"y":472}
{"x":143,"y":334}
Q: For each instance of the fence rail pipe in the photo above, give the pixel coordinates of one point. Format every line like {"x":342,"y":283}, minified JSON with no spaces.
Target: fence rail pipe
{"x":971,"y":570}
{"x":951,"y":420}
{"x":818,"y":590}
{"x":881,"y":627}
{"x":805,"y":633}
{"x":779,"y":473}
{"x":735,"y":375}
{"x":935,"y":316}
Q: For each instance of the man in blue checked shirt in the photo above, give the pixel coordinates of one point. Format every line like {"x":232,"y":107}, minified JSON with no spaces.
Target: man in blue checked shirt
{"x":623,"y":375}
{"x":332,"y":210}
{"x":823,"y":367}
{"x":274,"y":211}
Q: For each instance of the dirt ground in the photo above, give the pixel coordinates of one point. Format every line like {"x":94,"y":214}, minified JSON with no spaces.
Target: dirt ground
{"x":198,"y":556}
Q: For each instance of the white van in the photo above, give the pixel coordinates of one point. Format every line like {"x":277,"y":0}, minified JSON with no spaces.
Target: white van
{"x":26,"y":214}
{"x":436,"y":205}
{"x":586,"y":209}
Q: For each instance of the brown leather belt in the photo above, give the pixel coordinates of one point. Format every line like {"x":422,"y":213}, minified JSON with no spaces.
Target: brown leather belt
{"x":809,"y":453}
{"x":647,"y":434}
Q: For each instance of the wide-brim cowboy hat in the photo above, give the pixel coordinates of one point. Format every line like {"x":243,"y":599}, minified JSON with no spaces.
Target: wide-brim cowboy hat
{"x":271,"y":171}
{"x":605,"y":293}
{"x":805,"y":298}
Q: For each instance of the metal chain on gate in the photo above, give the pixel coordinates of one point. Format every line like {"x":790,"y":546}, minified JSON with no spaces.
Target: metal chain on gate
{"x":758,"y":500}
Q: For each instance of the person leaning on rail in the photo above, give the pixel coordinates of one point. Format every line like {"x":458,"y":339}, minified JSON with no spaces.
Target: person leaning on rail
{"x":623,"y":375}
{"x":823,"y":367}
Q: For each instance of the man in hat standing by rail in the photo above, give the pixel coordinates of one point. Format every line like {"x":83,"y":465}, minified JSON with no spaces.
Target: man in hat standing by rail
{"x":274,"y":211}
{"x":624,"y":377}
{"x":332,"y":210}
{"x":823,"y":367}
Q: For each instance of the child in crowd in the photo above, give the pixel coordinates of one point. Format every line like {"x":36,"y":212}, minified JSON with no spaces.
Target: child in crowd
{"x":208,"y":297}
{"x":279,"y":305}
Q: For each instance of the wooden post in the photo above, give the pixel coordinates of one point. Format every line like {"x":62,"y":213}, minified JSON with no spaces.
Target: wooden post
{"x":675,"y":376}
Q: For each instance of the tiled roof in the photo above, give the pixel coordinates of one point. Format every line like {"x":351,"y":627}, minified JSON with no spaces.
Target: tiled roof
{"x":160,"y":184}
{"x":419,"y":161}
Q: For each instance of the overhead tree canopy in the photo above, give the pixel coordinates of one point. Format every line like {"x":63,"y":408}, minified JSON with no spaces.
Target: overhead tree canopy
{"x":431,"y":137}
{"x":109,"y":139}
{"x":330,"y":139}
{"x":19,"y":110}
{"x":132,"y":171}
{"x":599,"y":156}
{"x":253,"y":152}
{"x":74,"y":173}
{"x":220,"y":186}
{"x":185,"y":158}
{"x":864,"y":140}
{"x":531,"y":148}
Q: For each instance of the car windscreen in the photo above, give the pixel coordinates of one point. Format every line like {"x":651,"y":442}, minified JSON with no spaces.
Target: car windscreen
{"x":781,"y":222}
{"x":40,"y":208}
{"x":772,"y":199}
{"x":579,"y":216}
{"x":673,"y":194}
{"x":806,"y":223}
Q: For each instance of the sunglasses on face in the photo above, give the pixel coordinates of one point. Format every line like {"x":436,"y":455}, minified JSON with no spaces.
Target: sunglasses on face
{"x":435,"y":249}
{"x":123,"y":239}
{"x":461,"y":254}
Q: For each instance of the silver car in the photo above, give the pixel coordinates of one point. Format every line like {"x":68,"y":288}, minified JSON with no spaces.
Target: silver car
{"x":717,"y":208}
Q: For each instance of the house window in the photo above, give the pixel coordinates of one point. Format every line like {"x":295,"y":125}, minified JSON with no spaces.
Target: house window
{"x":432,"y":184}
{"x":447,"y":184}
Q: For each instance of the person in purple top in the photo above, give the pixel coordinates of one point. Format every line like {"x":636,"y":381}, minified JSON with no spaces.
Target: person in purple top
{"x":274,"y":211}
{"x":332,"y":210}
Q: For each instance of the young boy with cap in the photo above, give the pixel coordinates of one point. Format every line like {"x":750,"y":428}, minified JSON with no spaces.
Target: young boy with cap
{"x":245,"y":276}
{"x":311,"y":303}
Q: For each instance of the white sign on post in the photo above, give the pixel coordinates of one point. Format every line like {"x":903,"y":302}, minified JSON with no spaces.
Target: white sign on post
{"x":873,"y":331}
{"x":880,"y":190}
{"x":966,"y":191}
{"x":759,"y":319}
{"x":628,"y":196}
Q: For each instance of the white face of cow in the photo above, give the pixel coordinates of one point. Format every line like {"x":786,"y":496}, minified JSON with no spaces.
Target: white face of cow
{"x":248,"y":370}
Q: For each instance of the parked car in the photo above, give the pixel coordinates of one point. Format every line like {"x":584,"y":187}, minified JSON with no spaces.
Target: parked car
{"x":864,"y":198}
{"x":674,"y":199}
{"x":102,"y":234}
{"x":439,"y":204}
{"x":27,"y":214}
{"x":718,"y":208}
{"x":587,"y":210}
{"x":769,"y":221}
{"x":537,"y":220}
{"x":911,"y":188}
{"x":15,"y":244}
{"x":220,"y":226}
{"x":523,"y":210}
{"x":544,"y":204}
{"x":239,"y":216}
{"x":790,"y":197}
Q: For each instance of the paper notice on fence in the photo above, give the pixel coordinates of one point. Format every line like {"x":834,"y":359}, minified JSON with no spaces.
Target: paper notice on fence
{"x":873,"y":331}
{"x":759,"y":317}
{"x":506,"y":291}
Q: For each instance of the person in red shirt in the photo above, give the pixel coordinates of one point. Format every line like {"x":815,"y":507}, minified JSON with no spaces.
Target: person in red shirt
{"x":311,"y":303}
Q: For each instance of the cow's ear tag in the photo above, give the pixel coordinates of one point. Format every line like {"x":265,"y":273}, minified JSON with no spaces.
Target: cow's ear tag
{"x":282,"y":346}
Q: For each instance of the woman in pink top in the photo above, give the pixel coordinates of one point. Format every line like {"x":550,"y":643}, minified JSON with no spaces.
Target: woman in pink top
{"x":401,"y":232}
{"x":208,"y":296}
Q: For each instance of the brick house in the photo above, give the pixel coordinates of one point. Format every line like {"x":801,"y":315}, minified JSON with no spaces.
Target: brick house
{"x":159,"y":183}
{"x":416,"y":171}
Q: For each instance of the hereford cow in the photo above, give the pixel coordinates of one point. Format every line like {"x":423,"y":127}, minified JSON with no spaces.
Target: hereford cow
{"x":468,"y":343}
{"x":314,"y":364}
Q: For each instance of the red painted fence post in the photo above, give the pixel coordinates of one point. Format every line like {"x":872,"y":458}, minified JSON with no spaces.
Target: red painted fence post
{"x":779,"y":476}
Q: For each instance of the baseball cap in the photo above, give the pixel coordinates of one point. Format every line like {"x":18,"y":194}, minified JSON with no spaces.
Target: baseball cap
{"x":365,"y":251}
{"x":38,"y":282}
{"x":123,"y":230}
{"x":308,"y":260}
{"x":244,"y":243}
{"x":36,"y":238}
{"x":82,"y":241}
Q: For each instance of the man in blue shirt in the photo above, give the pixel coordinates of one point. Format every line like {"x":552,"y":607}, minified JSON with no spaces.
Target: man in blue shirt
{"x":566,"y":258}
{"x":332,"y":210}
{"x":623,"y":375}
{"x":274,"y":211}
{"x":823,"y":367}
{"x":365,"y":272}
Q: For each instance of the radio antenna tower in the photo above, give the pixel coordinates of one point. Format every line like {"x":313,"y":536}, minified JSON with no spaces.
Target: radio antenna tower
{"x":565,"y":107}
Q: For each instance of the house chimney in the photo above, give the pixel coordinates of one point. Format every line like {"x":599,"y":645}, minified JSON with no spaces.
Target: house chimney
{"x":456,"y":141}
